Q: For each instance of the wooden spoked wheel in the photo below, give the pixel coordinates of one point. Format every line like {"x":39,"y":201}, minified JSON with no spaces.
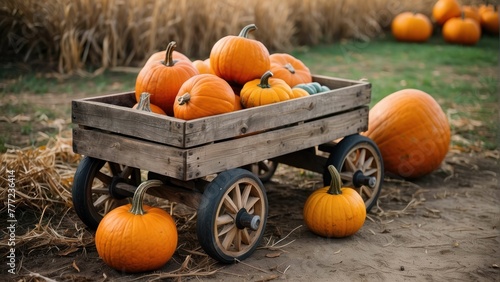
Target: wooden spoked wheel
{"x":264,"y":169}
{"x":93,"y":188}
{"x":361,"y":167}
{"x":232,"y":215}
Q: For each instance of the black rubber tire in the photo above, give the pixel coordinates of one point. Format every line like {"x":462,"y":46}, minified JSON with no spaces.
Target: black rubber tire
{"x":352,"y":144}
{"x":214,"y":205}
{"x":91,"y":172}
{"x":264,"y":170}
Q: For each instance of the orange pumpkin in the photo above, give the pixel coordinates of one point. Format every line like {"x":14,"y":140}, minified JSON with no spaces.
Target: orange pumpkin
{"x":264,"y":91}
{"x":298,"y":92}
{"x":334,"y":211}
{"x":239,"y":59}
{"x":292,"y":70}
{"x":163,"y":78}
{"x":411,"y":27}
{"x":136,"y":238}
{"x":144,"y":104}
{"x":162,"y":54}
{"x":237,"y":103}
{"x":471,"y":12}
{"x":461,"y":31}
{"x":411,"y":131}
{"x":203,"y":66}
{"x":203,"y":95}
{"x":489,"y":21}
{"x":444,"y":10}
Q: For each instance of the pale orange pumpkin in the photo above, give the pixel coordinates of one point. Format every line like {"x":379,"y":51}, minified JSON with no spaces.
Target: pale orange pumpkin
{"x":203,"y":66}
{"x":444,"y":10}
{"x":411,"y":131}
{"x":471,"y":12}
{"x":290,"y":69}
{"x":411,"y":27}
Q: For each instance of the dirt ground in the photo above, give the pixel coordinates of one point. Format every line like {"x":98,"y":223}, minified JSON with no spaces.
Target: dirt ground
{"x":443,"y":227}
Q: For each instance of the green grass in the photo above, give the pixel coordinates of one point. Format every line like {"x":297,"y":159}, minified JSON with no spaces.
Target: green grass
{"x":461,"y":78}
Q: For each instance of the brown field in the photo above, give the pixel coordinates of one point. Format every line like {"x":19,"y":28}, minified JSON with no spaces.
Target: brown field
{"x":111,"y":33}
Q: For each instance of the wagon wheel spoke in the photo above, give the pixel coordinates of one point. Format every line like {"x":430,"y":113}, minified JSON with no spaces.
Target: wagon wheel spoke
{"x":230,"y":205}
{"x":226,"y":229}
{"x":364,"y":191}
{"x":246,"y":194}
{"x":351,"y":166}
{"x":367,"y":164}
{"x":264,"y":166}
{"x":237,"y":197}
{"x":224,"y":219}
{"x":361,"y":159}
{"x":245,"y":237}
{"x":230,"y":236}
{"x":104,"y":178}
{"x":369,"y":172}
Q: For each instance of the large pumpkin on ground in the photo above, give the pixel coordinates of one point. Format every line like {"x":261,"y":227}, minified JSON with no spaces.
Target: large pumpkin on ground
{"x":136,"y":238}
{"x":411,"y":27}
{"x":411,"y":131}
{"x":239,"y":59}
{"x":162,"y":79}
{"x":489,"y":20}
{"x":461,"y":31}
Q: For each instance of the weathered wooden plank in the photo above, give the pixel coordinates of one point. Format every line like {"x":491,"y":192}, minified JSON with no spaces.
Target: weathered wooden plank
{"x":213,"y":158}
{"x":149,"y":156}
{"x":335,"y":82}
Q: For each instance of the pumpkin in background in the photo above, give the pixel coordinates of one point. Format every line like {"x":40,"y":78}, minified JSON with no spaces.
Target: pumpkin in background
{"x":489,"y":20}
{"x":411,"y":131}
{"x":136,"y":238}
{"x":203,"y":66}
{"x":444,"y":10}
{"x":290,"y":69}
{"x":298,"y":92}
{"x":264,"y":91}
{"x":144,"y":104}
{"x":162,"y":78}
{"x":334,"y":211}
{"x":239,"y":59}
{"x":411,"y":27}
{"x":461,"y":31}
{"x":471,"y":12}
{"x":203,"y":95}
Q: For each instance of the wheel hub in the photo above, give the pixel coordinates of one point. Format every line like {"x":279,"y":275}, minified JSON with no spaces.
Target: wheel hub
{"x":359,"y":179}
{"x":245,"y":220}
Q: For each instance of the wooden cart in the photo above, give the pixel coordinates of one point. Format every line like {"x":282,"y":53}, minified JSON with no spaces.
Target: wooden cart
{"x":119,"y":142}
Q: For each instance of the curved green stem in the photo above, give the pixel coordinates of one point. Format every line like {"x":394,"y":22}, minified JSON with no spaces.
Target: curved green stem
{"x":246,"y":30}
{"x":336,"y":183}
{"x":264,"y":80}
{"x":139,"y":193}
{"x":169,"y":60}
{"x":184,"y":99}
{"x":144,"y":102}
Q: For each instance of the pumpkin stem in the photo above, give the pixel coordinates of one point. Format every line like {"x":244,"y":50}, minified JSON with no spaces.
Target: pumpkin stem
{"x":144,"y":102}
{"x":336,"y":182}
{"x":264,"y":80}
{"x":137,"y":208}
{"x":246,"y":30}
{"x":184,"y":99}
{"x":169,"y":60}
{"x":289,"y":67}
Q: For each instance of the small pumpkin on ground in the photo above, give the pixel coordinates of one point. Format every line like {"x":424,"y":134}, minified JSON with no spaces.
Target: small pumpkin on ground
{"x":489,"y":20}
{"x":461,"y":31}
{"x":264,"y":91}
{"x":411,"y":27}
{"x":292,"y":70}
{"x":144,"y":104}
{"x":334,"y":211}
{"x":163,"y":78}
{"x":204,"y":95}
{"x":444,"y":10}
{"x":136,"y":238}
{"x":239,"y":59}
{"x":411,"y":131}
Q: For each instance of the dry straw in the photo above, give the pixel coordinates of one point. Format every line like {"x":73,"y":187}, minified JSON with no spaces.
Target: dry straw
{"x":76,"y":34}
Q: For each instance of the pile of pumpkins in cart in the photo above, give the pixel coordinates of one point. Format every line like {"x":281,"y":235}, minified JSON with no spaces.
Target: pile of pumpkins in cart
{"x":459,"y":24}
{"x":241,"y":73}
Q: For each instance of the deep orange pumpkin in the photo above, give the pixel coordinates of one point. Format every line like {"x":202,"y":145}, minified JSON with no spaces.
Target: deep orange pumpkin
{"x":334,"y":211}
{"x":411,"y":27}
{"x":264,"y":91}
{"x":444,"y":10}
{"x":162,"y":54}
{"x":489,"y":20}
{"x":290,"y":69}
{"x":239,"y":59}
{"x":204,"y":95}
{"x":461,"y":31}
{"x":136,"y":238}
{"x":411,"y":131}
{"x":163,"y":78}
{"x":471,"y":12}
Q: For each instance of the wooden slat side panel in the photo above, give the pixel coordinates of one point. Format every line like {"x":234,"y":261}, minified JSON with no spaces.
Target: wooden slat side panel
{"x":165,"y":160}
{"x":272,"y":116}
{"x":123,"y":120}
{"x":126,"y":99}
{"x":335,"y":82}
{"x":213,"y":158}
